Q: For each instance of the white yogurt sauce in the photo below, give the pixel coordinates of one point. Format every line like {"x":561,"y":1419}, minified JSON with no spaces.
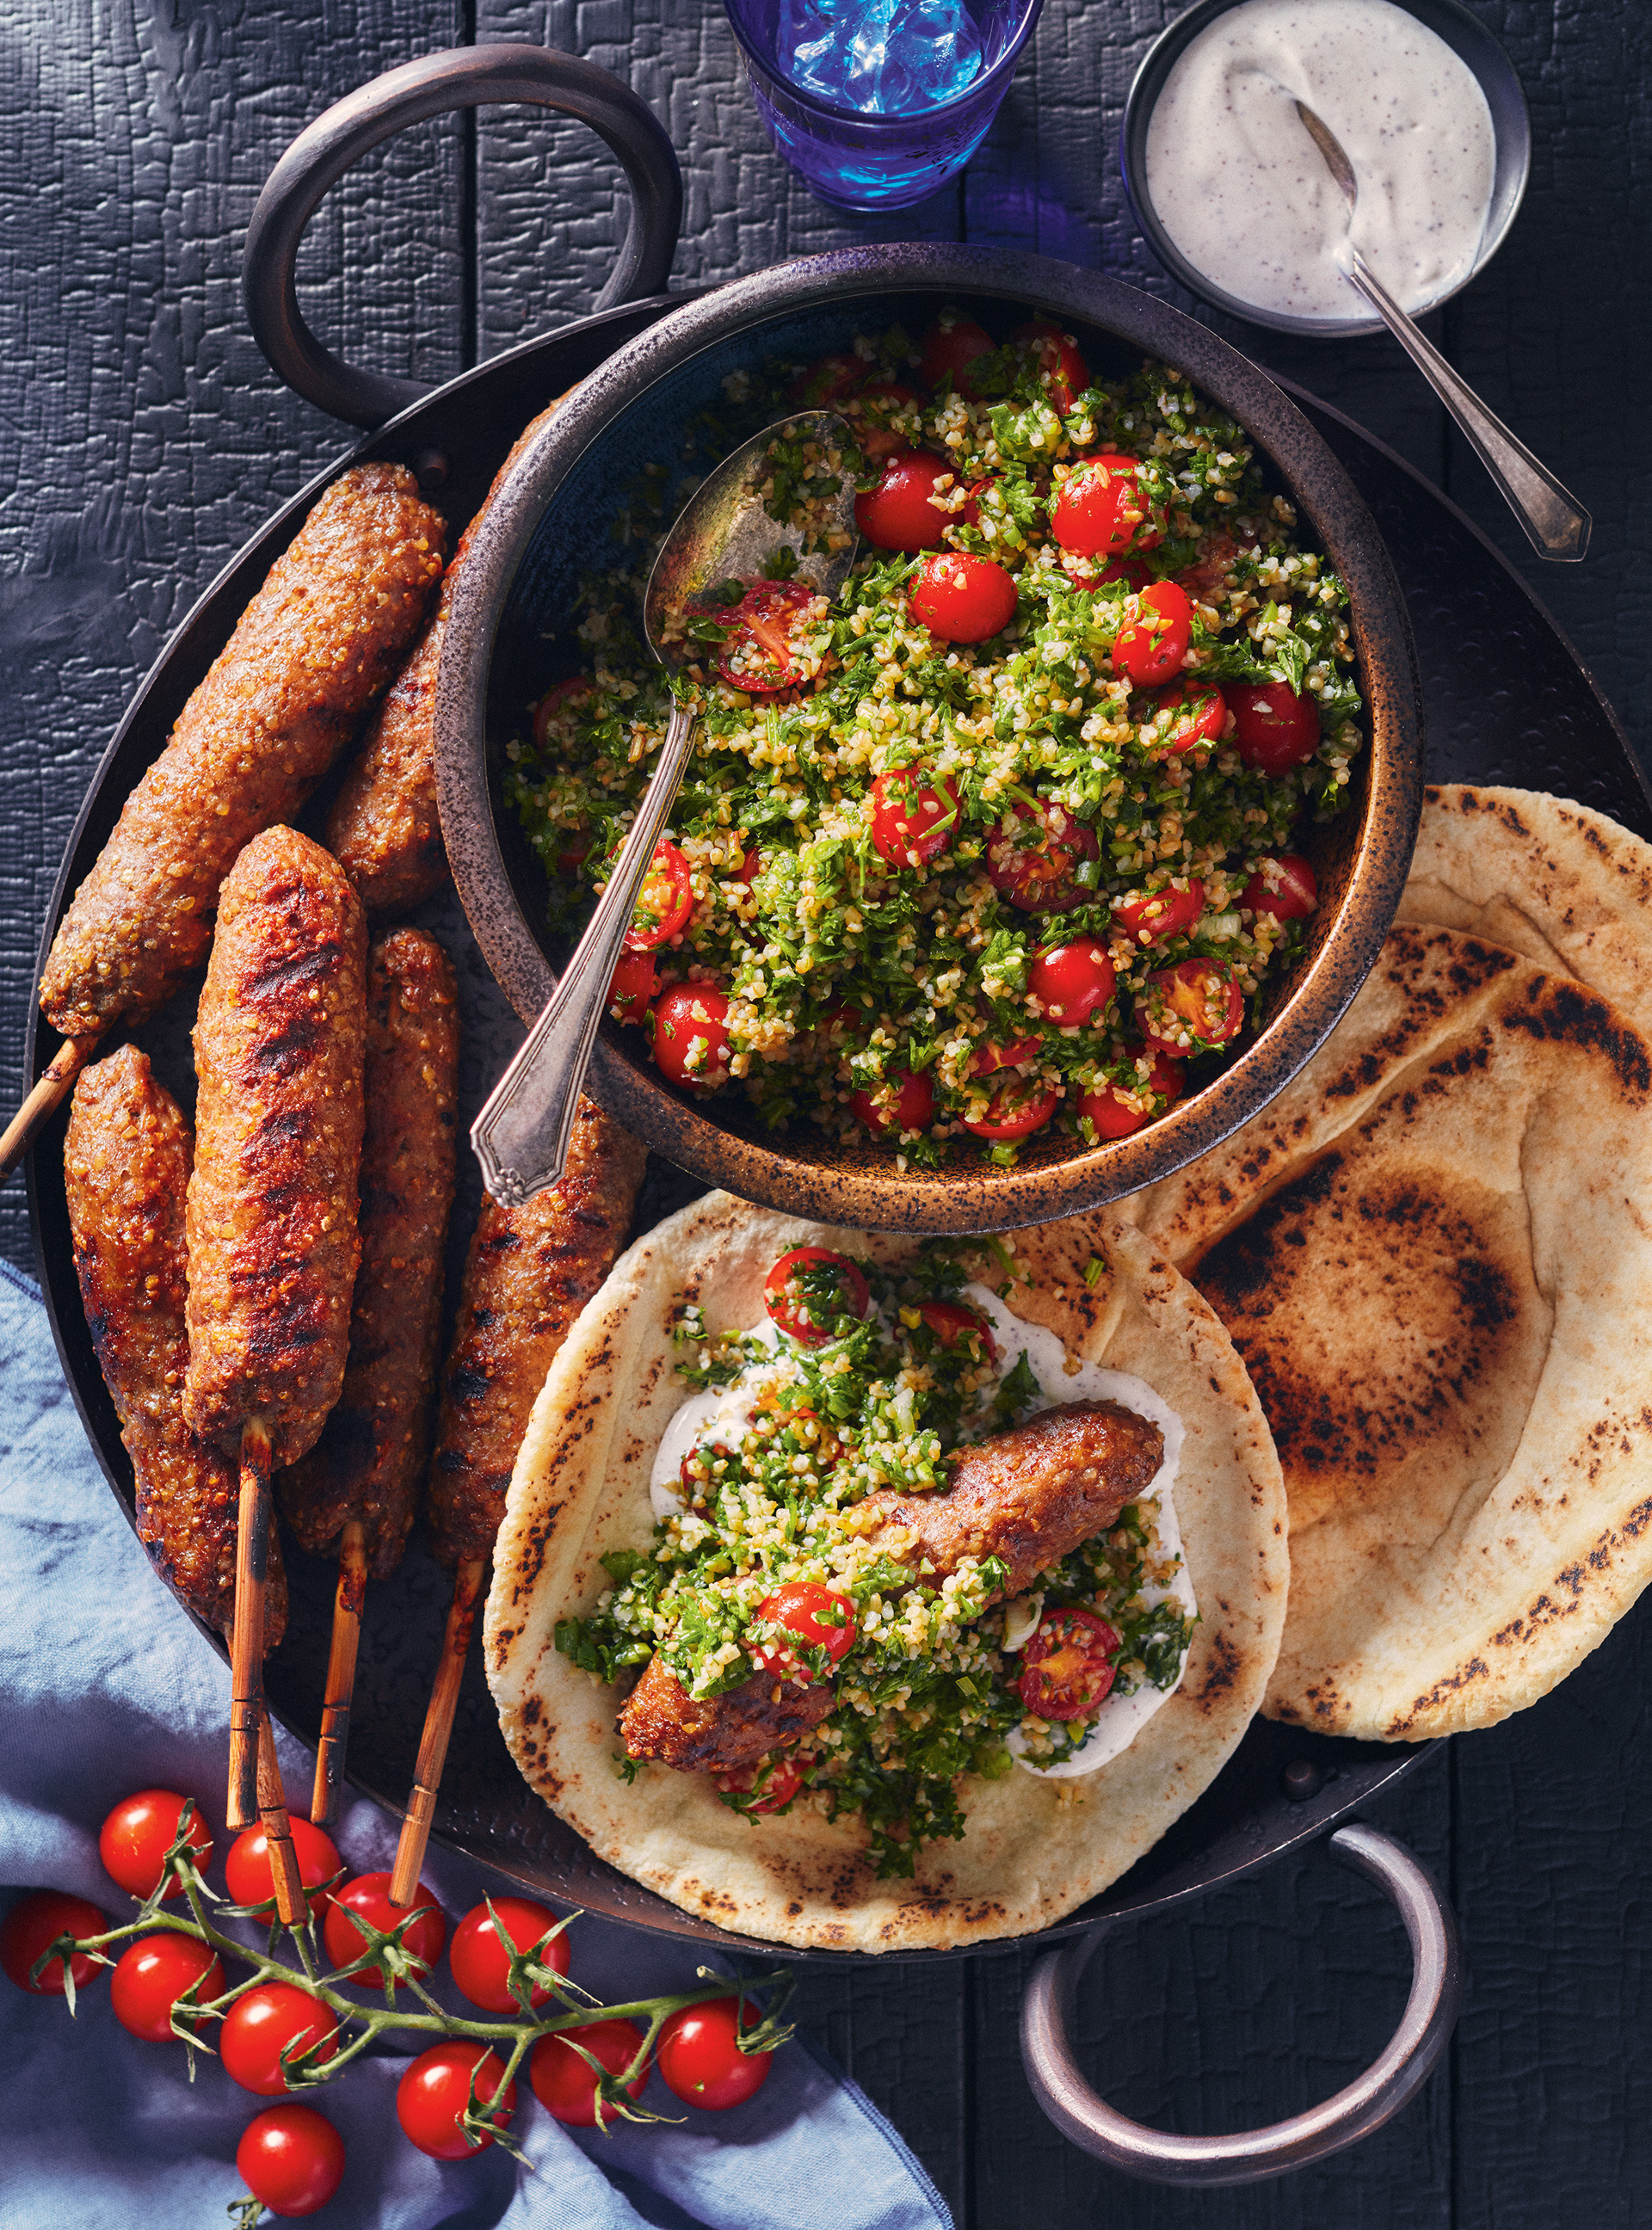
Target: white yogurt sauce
{"x":721,"y":1413}
{"x":1244,"y":193}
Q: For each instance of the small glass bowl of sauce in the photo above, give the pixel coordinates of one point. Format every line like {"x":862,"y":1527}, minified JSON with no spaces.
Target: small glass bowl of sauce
{"x":1238,"y":226}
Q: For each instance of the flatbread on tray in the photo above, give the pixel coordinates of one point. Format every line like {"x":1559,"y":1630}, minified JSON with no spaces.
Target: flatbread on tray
{"x":1434,"y":1251}
{"x":1034,"y":1849}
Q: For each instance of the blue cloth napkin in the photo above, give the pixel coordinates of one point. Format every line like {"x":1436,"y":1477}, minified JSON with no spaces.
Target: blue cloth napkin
{"x":105,"y":1688}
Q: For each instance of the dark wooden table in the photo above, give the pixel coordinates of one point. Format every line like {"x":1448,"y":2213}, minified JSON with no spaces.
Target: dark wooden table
{"x":142,"y":439}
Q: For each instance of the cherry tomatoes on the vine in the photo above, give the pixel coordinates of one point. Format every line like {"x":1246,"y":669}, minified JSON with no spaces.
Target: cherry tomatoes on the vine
{"x":369,"y":1895}
{"x":1187,"y":714}
{"x":135,"y":1838}
{"x":566,"y":2085}
{"x":556,"y":699}
{"x":665,"y":899}
{"x":1192,"y":1008}
{"x":432,"y":2097}
{"x":152,"y":1975}
{"x":689,"y":1028}
{"x":1066,"y":373}
{"x":1073,"y":982}
{"x":912,"y":821}
{"x":818,"y":1617}
{"x":810,"y":1289}
{"x":1163,"y":913}
{"x":962,"y":599}
{"x":1098,"y":507}
{"x":760,"y":654}
{"x":1286,"y":887}
{"x":897,"y":514}
{"x":246,"y":1869}
{"x":1038,"y":859}
{"x":953,"y":1324}
{"x":259,"y":2028}
{"x":902,"y":1102}
{"x":1068,"y":1665}
{"x":481,"y":1965}
{"x":951,"y":346}
{"x":1274,"y":728}
{"x":1150,"y":645}
{"x":700,"y":2058}
{"x":35,"y":1921}
{"x":290,"y":2159}
{"x":1018,"y":1106}
{"x":633,"y":985}
{"x":1112,"y":1115}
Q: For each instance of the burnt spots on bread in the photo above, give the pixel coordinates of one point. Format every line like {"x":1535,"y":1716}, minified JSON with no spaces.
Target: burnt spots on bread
{"x":1563,"y":1013}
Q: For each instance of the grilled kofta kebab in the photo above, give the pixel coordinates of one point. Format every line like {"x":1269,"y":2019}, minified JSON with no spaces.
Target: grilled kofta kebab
{"x":358,"y":1484}
{"x":529,"y":1272}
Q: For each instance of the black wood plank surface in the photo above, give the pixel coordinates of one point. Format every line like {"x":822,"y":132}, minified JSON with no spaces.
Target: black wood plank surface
{"x":142,"y":439}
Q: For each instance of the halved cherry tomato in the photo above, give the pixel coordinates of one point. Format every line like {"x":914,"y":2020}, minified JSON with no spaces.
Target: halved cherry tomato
{"x":135,"y":1838}
{"x":1290,"y":894}
{"x":819,"y":1618}
{"x":827,"y":380}
{"x":689,"y":1028}
{"x":1192,"y":1008}
{"x":559,"y":694}
{"x":1274,"y":729}
{"x":575,"y":852}
{"x":1098,"y":507}
{"x":951,"y":1321}
{"x":1113,"y":1116}
{"x":809,"y":1288}
{"x":770,"y":1784}
{"x":875,"y":406}
{"x":567,"y":2084}
{"x":664,"y":900}
{"x":1196,"y":713}
{"x":369,"y":1895}
{"x":1074,"y":981}
{"x":700,"y":2058}
{"x":481,"y":1965}
{"x":635,"y":981}
{"x":760,"y":655}
{"x":152,"y":1975}
{"x":1011,"y":1054}
{"x":1068,"y":1665}
{"x":35,"y":1921}
{"x":912,"y":821}
{"x":247,"y":1873}
{"x":951,"y":346}
{"x":961,"y":599}
{"x":1019,"y":1106}
{"x":912,"y":1107}
{"x":290,"y":2159}
{"x":1163,"y":913}
{"x":897,"y":514}
{"x":1153,"y":643}
{"x":259,"y":2028}
{"x":432,"y":2097}
{"x":1035,"y":857}
{"x":1066,"y":373}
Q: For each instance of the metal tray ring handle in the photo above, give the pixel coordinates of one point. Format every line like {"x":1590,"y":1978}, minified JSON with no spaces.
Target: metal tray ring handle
{"x":1252,"y":2155}
{"x":463,"y":77}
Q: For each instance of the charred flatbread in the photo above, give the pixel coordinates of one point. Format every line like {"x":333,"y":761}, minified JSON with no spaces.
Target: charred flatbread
{"x":1033,"y":1849}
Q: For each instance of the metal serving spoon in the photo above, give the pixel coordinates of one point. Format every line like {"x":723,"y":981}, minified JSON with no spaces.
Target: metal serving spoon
{"x":1556,"y":523}
{"x":722,"y":533}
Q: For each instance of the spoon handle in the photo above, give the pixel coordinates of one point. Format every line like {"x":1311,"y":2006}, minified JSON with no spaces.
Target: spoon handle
{"x":1556,"y":523}
{"x":521,"y":1137}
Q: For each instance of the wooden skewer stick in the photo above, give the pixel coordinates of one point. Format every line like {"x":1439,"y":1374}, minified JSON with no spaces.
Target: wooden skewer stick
{"x":341,"y":1673}
{"x":247,"y":1634}
{"x":438,"y":1726}
{"x":278,"y":1831}
{"x":50,"y":1092}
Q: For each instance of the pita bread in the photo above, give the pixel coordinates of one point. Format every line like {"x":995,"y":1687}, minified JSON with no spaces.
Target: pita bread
{"x":1034,"y":1849}
{"x":1433,"y":1252}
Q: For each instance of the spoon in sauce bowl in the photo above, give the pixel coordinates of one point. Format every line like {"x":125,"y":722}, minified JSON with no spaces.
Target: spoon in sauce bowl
{"x":1556,"y":523}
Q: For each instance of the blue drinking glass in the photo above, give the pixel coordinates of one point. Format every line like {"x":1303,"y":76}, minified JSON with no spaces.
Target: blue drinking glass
{"x":868,"y":158}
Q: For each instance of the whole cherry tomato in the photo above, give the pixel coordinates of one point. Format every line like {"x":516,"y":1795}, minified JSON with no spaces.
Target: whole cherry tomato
{"x":664,"y":901}
{"x":1019,"y":1106}
{"x":689,"y":1026}
{"x":897,"y":514}
{"x":1098,"y":507}
{"x":912,"y":821}
{"x":1035,"y":858}
{"x":771,"y":1783}
{"x":700,"y":2058}
{"x":951,"y":346}
{"x":152,"y":1975}
{"x":1274,"y":729}
{"x":567,"y":2084}
{"x":33,"y":1923}
{"x":1153,"y":643}
{"x":369,"y":1895}
{"x":1070,"y":1665}
{"x":810,"y":1289}
{"x":1112,"y":1115}
{"x":1134,"y":572}
{"x":1192,"y":1008}
{"x":481,"y":1965}
{"x":246,"y":1869}
{"x":819,"y":1618}
{"x":135,"y":1838}
{"x":760,"y":654}
{"x":259,"y":2028}
{"x":1075,"y":982}
{"x":1163,"y":913}
{"x":1066,"y":373}
{"x":1286,"y":887}
{"x":877,"y":404}
{"x":635,"y":981}
{"x":290,"y":2159}
{"x":962,"y":599}
{"x":912,"y":1107}
{"x":1196,"y":713}
{"x":951,"y":1321}
{"x":827,"y":380}
{"x":555,"y":700}
{"x":432,"y":2097}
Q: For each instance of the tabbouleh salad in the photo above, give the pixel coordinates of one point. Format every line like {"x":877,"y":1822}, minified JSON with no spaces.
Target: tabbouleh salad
{"x":1000,"y":837}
